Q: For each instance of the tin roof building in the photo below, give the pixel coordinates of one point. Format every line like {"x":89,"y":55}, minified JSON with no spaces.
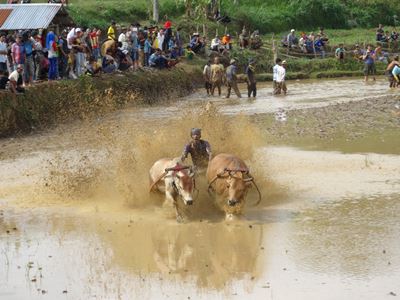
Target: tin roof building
{"x":34,"y":16}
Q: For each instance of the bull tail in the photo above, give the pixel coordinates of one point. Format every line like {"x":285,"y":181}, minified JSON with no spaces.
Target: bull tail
{"x":156,"y":181}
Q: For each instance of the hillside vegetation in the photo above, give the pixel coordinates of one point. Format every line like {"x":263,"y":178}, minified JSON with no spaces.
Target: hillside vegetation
{"x":266,"y":15}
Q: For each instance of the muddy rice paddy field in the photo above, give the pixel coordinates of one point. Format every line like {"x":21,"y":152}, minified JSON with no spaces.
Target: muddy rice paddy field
{"x":77,"y":221}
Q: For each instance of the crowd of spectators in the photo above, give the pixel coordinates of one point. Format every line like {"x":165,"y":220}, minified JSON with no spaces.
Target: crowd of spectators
{"x":387,"y":38}
{"x":308,"y":44}
{"x":28,"y":56}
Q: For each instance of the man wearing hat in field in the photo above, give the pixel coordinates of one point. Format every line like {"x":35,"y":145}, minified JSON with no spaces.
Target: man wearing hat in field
{"x":217,"y":75}
{"x":280,"y":85}
{"x":251,"y":78}
{"x":231,"y":79}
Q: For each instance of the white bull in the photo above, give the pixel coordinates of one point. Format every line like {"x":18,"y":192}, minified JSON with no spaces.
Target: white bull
{"x":171,"y":177}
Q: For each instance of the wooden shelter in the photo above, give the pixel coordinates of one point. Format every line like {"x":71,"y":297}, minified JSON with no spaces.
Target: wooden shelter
{"x":34,"y":16}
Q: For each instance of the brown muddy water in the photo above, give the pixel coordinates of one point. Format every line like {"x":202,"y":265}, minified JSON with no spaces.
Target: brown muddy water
{"x":76,"y":220}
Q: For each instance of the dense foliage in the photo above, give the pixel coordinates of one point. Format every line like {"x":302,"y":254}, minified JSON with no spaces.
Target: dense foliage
{"x":277,"y":16}
{"x":266,"y":15}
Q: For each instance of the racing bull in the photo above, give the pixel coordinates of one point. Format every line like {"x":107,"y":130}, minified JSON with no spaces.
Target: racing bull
{"x":171,"y":177}
{"x":229,"y":177}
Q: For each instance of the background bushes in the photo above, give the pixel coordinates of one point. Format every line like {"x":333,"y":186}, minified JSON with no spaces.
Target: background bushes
{"x":266,"y":15}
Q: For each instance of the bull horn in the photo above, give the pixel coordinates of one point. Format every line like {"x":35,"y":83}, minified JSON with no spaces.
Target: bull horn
{"x":219,"y":175}
{"x":258,"y":190}
{"x":211,"y":182}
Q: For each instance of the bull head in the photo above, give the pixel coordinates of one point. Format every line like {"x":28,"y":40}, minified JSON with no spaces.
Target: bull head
{"x":184,"y":183}
{"x":237,"y":187}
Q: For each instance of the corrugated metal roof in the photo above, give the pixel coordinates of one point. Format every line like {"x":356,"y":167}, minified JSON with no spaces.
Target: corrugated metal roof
{"x":4,"y":13}
{"x":29,"y":16}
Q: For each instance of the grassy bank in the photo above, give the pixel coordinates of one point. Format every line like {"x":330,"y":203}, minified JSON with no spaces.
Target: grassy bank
{"x":51,"y":103}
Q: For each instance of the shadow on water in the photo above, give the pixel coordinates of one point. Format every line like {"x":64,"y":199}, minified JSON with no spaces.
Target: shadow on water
{"x":108,"y":255}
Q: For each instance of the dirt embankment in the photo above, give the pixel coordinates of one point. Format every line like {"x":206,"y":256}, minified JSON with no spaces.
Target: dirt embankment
{"x":47,"y":104}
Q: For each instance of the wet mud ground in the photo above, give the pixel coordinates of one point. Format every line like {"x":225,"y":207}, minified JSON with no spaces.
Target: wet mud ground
{"x":76,"y":220}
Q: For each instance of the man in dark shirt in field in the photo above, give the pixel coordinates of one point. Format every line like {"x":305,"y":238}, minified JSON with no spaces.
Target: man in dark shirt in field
{"x":251,"y":78}
{"x":200,"y":150}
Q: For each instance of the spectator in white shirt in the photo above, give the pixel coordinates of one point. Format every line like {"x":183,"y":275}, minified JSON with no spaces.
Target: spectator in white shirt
{"x":16,"y":80}
{"x":3,"y":53}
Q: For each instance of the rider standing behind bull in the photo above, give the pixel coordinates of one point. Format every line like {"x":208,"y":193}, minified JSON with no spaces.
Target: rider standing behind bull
{"x":200,"y":150}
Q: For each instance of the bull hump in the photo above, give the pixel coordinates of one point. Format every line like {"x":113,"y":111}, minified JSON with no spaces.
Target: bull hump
{"x":230,"y":161}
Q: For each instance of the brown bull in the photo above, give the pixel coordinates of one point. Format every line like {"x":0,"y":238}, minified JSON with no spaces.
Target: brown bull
{"x":229,"y":177}
{"x":171,"y":177}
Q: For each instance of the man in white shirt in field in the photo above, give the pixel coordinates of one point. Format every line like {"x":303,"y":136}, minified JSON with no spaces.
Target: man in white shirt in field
{"x":278,"y":63}
{"x":280,"y":79}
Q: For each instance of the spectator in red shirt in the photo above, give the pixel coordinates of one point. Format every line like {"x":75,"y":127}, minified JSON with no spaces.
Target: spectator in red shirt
{"x":18,"y":52}
{"x":94,"y":43}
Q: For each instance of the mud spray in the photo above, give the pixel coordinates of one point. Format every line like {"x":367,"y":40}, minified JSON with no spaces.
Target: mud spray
{"x":112,"y":171}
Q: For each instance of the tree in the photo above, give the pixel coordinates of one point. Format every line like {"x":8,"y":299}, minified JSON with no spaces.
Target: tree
{"x":156,"y":10}
{"x":197,"y":8}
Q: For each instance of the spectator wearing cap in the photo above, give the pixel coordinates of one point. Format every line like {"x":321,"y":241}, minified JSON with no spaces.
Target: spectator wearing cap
{"x":280,"y":79}
{"x":112,"y":31}
{"x":18,"y":54}
{"x":78,"y":50}
{"x":215,"y":43}
{"x":227,"y":41}
{"x":292,"y":40}
{"x":231,"y":79}
{"x":16,"y":80}
{"x":39,"y":56}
